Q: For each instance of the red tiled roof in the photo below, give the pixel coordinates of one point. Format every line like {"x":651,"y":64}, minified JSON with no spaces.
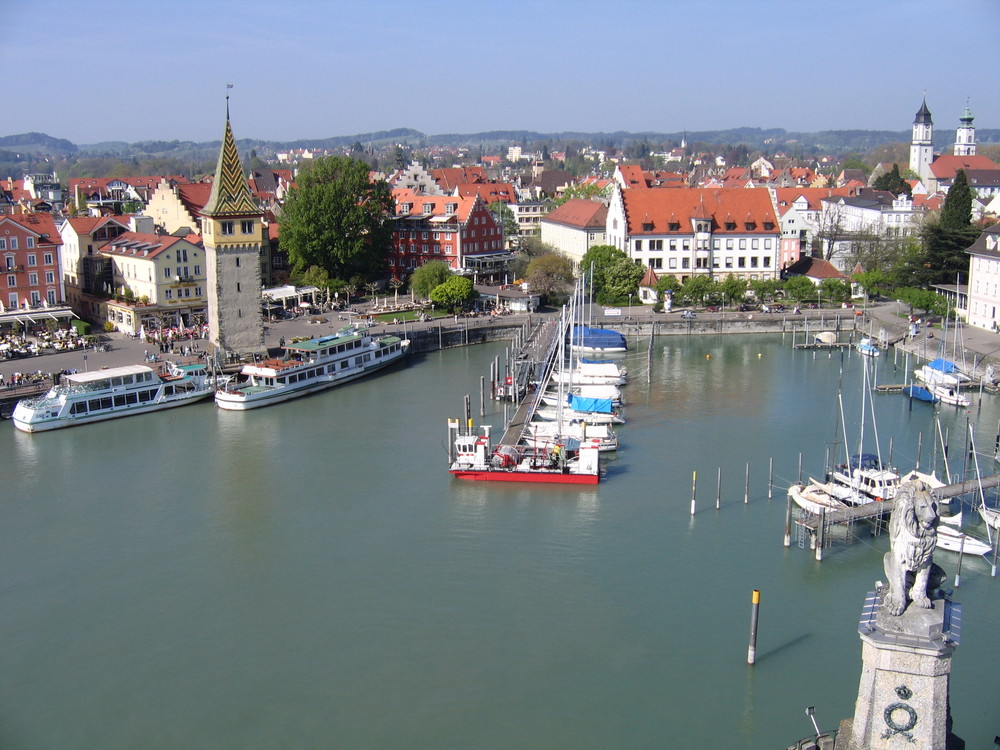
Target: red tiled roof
{"x":194,"y":196}
{"x":135,"y":243}
{"x":491,"y":192}
{"x":89,"y":224}
{"x":438,"y":203}
{"x":451,"y":177}
{"x":815,"y":268}
{"x":40,"y":224}
{"x":946,"y":166}
{"x":633,"y":175}
{"x":579,"y":213}
{"x":663,"y":207}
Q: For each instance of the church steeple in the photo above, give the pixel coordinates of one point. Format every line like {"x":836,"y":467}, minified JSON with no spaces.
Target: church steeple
{"x":965,"y":136}
{"x":230,"y":194}
{"x":922,"y":145}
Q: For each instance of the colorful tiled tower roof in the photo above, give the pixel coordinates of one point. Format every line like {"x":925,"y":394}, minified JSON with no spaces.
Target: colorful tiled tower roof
{"x":230,"y":192}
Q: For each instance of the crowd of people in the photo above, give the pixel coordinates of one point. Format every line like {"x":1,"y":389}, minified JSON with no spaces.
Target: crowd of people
{"x":14,"y":345}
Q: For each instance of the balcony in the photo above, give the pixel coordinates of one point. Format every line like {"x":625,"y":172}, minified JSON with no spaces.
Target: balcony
{"x":184,"y":279}
{"x":15,"y":269}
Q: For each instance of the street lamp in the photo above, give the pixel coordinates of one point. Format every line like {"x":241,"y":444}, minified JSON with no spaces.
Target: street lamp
{"x":630,"y":305}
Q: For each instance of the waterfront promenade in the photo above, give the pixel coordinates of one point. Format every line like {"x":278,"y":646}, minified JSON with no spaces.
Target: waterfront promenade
{"x":975,"y":350}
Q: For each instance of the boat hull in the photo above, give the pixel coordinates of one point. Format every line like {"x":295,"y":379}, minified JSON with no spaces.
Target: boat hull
{"x":124,"y":411}
{"x":233,"y":400}
{"x":516,"y":475}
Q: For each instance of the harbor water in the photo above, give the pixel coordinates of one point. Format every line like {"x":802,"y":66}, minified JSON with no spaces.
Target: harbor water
{"x":310,"y":576}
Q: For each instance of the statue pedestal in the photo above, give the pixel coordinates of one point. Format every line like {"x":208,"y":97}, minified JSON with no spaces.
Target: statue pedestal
{"x":906,"y":668}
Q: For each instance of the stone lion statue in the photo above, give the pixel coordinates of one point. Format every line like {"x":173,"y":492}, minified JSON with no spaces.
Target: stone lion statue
{"x":912,"y":537}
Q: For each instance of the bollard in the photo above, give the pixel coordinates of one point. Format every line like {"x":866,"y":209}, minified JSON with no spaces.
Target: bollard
{"x":788,"y":521}
{"x":958,"y":570}
{"x":718,"y":490}
{"x":754,"y":611}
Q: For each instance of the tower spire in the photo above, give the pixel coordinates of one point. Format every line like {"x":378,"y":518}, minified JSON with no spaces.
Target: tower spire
{"x":230,"y":194}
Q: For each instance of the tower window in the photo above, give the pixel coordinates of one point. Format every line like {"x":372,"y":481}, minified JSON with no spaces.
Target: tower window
{"x":237,"y":262}
{"x":227,"y":227}
{"x":247,"y":227}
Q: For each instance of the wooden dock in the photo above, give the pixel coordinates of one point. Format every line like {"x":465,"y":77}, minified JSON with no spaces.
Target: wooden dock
{"x":822,"y":345}
{"x":817,"y":526}
{"x":537,"y":358}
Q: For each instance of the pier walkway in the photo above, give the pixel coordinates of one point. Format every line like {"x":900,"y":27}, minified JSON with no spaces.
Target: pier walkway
{"x":533,"y":363}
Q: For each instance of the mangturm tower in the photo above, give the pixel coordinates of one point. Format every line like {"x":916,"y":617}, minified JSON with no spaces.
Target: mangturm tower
{"x":232,"y":232}
{"x":922,"y":145}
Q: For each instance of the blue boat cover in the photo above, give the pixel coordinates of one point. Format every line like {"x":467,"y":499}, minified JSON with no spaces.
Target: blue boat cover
{"x":864,"y":461}
{"x":599,"y":405}
{"x":597,"y":338}
{"x":920,"y":393}
{"x":943,"y":365}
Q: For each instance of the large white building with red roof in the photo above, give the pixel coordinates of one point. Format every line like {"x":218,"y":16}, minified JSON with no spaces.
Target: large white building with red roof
{"x":686,"y":232}
{"x":575,"y":227}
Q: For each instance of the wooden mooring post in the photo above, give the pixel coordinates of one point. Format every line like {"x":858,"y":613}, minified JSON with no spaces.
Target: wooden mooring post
{"x":694,"y":489}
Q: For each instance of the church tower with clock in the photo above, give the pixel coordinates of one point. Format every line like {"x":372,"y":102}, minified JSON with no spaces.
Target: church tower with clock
{"x":232,"y":232}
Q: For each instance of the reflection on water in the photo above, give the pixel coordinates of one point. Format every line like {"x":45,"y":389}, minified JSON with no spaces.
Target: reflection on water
{"x":214,"y":578}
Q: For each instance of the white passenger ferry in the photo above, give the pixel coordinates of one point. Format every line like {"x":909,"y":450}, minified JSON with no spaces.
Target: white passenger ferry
{"x":84,"y":397}
{"x":310,"y":366}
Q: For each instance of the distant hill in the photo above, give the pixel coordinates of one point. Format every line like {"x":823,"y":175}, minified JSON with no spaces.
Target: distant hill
{"x":37,"y":143}
{"x":836,"y":142}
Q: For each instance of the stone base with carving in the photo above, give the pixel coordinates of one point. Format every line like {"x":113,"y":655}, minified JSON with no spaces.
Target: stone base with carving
{"x":906,"y":667}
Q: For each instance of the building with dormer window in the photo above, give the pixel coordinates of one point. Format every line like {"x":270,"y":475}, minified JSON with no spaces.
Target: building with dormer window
{"x":460,"y":231}
{"x":155,"y":281}
{"x":686,"y":232}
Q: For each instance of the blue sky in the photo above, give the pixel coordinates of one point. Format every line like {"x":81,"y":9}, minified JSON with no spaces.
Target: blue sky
{"x":110,"y":70}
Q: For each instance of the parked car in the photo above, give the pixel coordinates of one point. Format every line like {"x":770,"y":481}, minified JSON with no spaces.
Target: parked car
{"x":687,"y":315}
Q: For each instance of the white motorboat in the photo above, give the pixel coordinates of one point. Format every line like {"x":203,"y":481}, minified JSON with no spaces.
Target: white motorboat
{"x":815,"y":497}
{"x":941,"y":372}
{"x":311,"y":366}
{"x":84,"y":397}
{"x":949,"y":394}
{"x":951,"y":538}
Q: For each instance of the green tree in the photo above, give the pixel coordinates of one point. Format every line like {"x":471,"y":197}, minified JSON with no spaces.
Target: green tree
{"x":337,"y":219}
{"x":550,"y":274}
{"x":666,"y":284}
{"x":505,"y":218}
{"x":922,"y":299}
{"x":315,"y":276}
{"x":892,"y":181}
{"x":428,"y":276}
{"x":586,"y":191}
{"x":453,"y":294}
{"x":765,"y":290}
{"x":835,"y":290}
{"x":601,"y":257}
{"x":945,"y":256}
{"x":620,"y":280}
{"x":734,"y":288}
{"x":956,"y":213}
{"x":697,"y":288}
{"x":800,"y":288}
{"x":873,"y":282}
